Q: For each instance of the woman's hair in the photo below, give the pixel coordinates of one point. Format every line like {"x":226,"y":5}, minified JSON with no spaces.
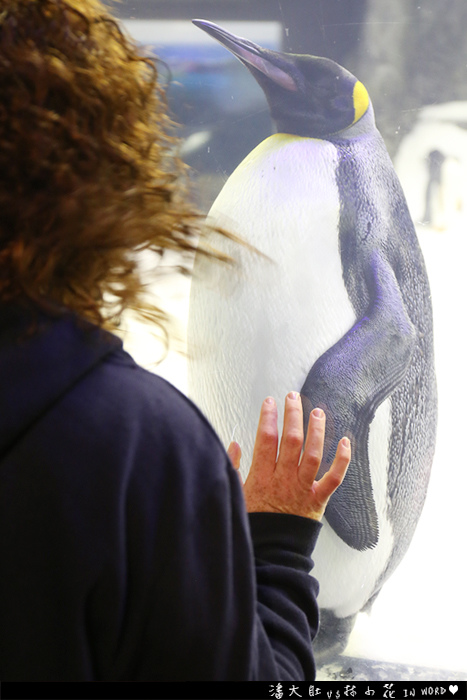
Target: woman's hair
{"x":89,"y":174}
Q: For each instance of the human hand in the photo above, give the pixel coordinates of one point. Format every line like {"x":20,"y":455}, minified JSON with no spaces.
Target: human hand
{"x":285,"y":483}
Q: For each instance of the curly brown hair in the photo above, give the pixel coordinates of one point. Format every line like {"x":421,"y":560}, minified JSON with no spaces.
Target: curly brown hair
{"x":89,"y":175}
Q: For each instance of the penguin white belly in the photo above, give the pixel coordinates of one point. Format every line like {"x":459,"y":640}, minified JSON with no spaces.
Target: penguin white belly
{"x":257,"y":330}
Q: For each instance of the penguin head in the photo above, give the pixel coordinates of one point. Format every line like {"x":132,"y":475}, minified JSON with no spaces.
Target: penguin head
{"x":307,"y":95}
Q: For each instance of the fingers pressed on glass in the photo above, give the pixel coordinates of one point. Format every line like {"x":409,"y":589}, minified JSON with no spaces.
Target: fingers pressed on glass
{"x":313,"y":450}
{"x":336,"y":473}
{"x":292,"y":434}
{"x":265,"y":449}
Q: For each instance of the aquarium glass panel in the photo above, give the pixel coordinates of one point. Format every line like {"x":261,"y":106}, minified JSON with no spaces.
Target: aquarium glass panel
{"x":338,"y":298}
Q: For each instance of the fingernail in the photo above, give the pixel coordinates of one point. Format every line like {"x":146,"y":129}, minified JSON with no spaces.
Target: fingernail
{"x":346,"y":442}
{"x":318,"y":413}
{"x":269,"y":400}
{"x":293,"y":395}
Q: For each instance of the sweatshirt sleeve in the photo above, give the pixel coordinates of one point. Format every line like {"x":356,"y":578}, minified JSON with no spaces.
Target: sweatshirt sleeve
{"x":286,"y":605}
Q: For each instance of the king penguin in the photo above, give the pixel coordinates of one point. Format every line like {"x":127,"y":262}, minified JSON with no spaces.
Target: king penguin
{"x":336,"y":305}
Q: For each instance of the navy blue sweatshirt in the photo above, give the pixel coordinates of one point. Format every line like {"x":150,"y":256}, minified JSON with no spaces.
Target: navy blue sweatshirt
{"x":127,"y":553}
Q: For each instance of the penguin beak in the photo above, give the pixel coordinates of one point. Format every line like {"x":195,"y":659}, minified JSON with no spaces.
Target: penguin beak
{"x":250,"y":54}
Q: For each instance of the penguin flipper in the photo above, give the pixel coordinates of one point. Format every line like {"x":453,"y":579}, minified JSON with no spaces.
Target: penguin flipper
{"x":349,"y":381}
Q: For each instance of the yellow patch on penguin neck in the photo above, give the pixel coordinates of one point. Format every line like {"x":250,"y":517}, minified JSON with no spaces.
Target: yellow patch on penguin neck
{"x":272,"y":144}
{"x":275,"y":141}
{"x":361,"y":100}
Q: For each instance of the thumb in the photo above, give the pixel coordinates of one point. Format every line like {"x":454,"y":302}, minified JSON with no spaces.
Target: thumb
{"x":235,"y":453}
